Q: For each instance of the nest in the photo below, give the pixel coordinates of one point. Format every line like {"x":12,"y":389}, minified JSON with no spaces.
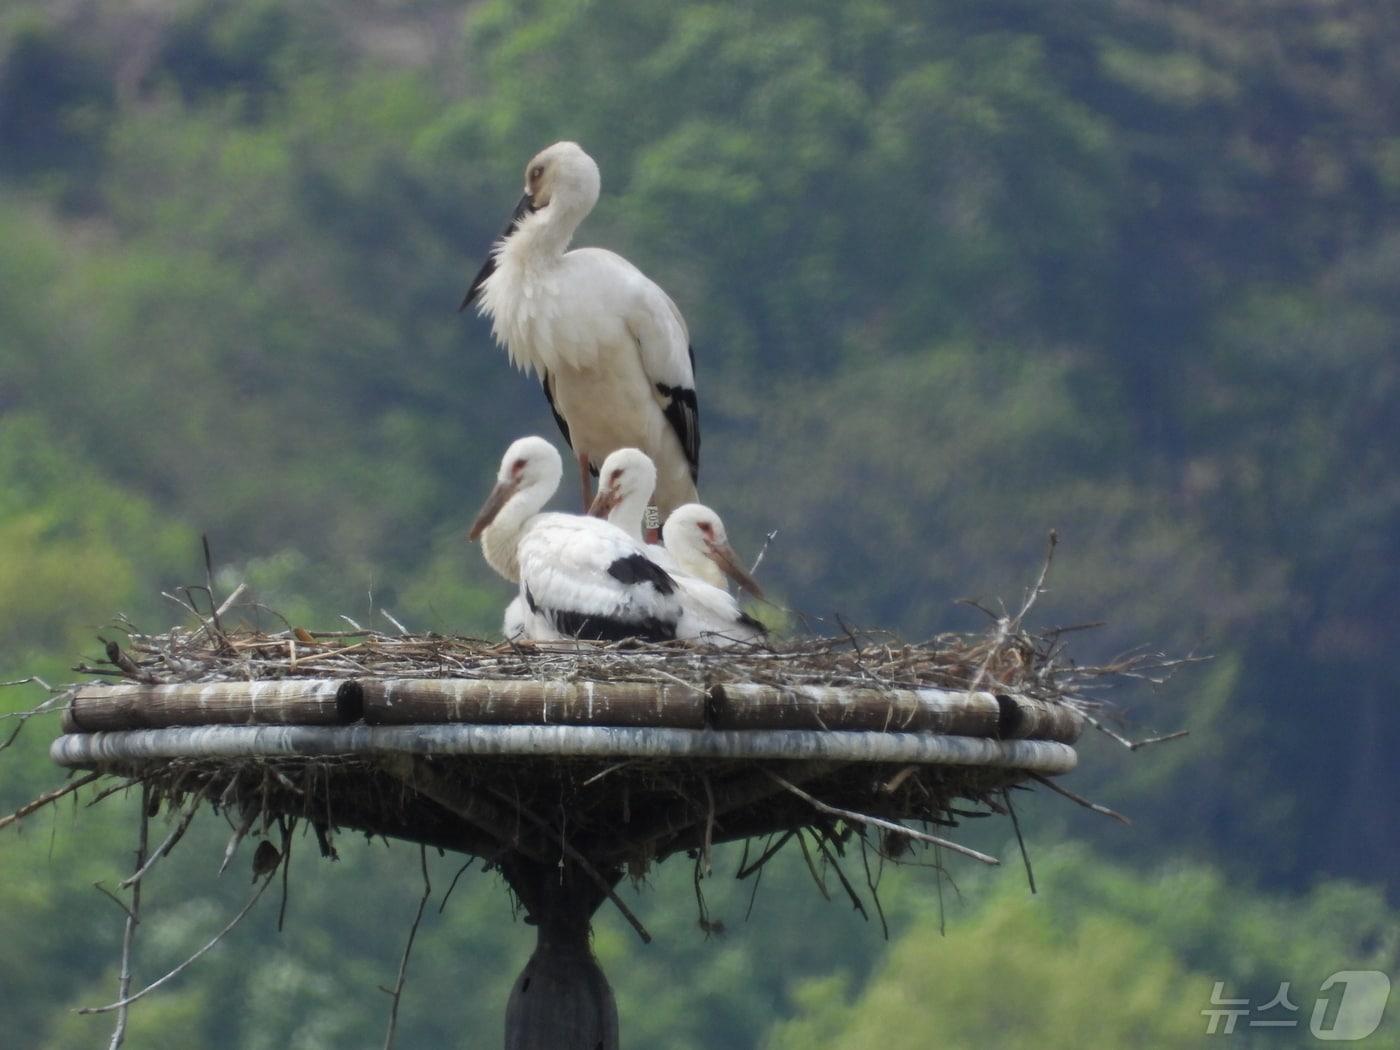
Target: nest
{"x":996,"y":704}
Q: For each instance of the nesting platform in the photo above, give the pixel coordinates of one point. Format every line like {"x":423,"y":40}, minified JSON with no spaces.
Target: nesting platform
{"x":567,"y":768}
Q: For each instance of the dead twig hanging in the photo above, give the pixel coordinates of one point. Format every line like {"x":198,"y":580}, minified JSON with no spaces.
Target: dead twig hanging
{"x":888,"y":825}
{"x":133,"y":919}
{"x":127,"y":1001}
{"x":170,"y":840}
{"x":1016,"y":825}
{"x":396,"y":993}
{"x":1081,"y":800}
{"x":48,"y":796}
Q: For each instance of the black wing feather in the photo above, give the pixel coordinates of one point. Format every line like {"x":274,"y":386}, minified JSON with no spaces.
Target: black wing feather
{"x":563,"y":424}
{"x":638,"y":568}
{"x":598,"y":628}
{"x":682,"y":411}
{"x":523,"y":208}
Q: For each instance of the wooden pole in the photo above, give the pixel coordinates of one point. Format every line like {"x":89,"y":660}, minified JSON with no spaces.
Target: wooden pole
{"x":561,"y":1000}
{"x":85,"y":750}
{"x":288,"y":701}
{"x":474,"y":701}
{"x":415,"y":701}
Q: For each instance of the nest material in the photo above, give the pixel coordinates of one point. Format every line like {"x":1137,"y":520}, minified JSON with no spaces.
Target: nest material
{"x":1008,"y":660}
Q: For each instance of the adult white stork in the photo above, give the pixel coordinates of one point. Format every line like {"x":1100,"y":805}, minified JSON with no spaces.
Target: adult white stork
{"x":709,"y":613}
{"x":579,"y":577}
{"x":610,"y":347}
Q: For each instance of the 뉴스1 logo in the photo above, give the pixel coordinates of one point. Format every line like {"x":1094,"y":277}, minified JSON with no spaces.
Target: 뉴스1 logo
{"x":1349,"y":1006}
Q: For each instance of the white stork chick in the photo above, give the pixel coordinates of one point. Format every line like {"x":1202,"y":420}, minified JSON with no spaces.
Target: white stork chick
{"x":625,"y":485}
{"x":710,"y":613}
{"x":610,"y":347}
{"x":579,"y":577}
{"x":695,"y":538}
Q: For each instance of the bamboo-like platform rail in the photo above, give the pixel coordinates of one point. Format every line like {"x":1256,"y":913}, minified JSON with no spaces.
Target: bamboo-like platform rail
{"x":433,"y":701}
{"x":85,"y":750}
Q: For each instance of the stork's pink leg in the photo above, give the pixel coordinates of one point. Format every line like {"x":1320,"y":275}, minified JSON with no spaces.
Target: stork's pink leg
{"x":585,"y":477}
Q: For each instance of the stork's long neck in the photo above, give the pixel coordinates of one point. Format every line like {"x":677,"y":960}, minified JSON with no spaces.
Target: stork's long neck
{"x":627,"y":515}
{"x":500,"y":541}
{"x":542,"y":237}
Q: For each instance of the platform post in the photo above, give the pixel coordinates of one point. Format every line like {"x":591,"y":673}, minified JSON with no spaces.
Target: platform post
{"x":561,"y":1000}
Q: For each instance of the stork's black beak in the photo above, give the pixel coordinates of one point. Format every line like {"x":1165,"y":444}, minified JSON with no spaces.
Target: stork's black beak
{"x":523,"y":207}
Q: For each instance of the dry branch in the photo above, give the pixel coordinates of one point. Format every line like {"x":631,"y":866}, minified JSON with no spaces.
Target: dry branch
{"x":888,"y":825}
{"x":128,"y":1000}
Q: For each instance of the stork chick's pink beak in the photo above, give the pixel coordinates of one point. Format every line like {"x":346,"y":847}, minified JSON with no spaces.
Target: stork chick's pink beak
{"x":604,"y":502}
{"x":722,"y":554}
{"x":500,"y":496}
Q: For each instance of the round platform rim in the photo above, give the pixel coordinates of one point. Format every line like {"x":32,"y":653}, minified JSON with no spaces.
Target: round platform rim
{"x":224,"y":742}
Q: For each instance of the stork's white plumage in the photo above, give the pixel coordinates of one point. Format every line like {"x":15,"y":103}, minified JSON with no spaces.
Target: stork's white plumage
{"x":579,"y":577}
{"x":710,"y":613}
{"x":625,"y":486}
{"x":695,"y":538}
{"x":515,"y":624}
{"x":610,"y":347}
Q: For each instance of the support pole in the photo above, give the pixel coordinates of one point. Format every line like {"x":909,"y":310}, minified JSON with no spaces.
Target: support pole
{"x":561,"y":1000}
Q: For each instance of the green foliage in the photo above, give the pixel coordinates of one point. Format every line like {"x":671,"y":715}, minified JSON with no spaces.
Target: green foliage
{"x":78,"y":548}
{"x":1130,"y":958}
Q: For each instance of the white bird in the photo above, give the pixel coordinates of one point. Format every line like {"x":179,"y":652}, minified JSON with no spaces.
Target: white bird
{"x":710,"y":613}
{"x":626,"y":482}
{"x":579,"y":577}
{"x":695,"y":538}
{"x":610,"y":347}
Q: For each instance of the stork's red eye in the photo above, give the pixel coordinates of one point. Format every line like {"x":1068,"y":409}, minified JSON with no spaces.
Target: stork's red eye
{"x":613,"y":477}
{"x":518,"y":467}
{"x":707,"y":528}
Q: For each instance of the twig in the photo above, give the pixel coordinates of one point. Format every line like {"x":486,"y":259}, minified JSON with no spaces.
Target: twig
{"x":397,"y":993}
{"x":1039,"y":588}
{"x":1016,"y":824}
{"x":184,"y":965}
{"x":111,"y":897}
{"x":170,"y":839}
{"x":709,"y":823}
{"x":753,"y":893}
{"x":766,"y":855}
{"x":286,"y":826}
{"x":209,"y":582}
{"x":1081,"y":800}
{"x":762,"y":551}
{"x":605,"y":771}
{"x":237,"y":837}
{"x":49,"y":796}
{"x":873,"y":885}
{"x":24,"y":716}
{"x":133,"y":918}
{"x":460,"y":872}
{"x":888,"y":825}
{"x":1131,"y":745}
{"x":812,"y":868}
{"x":830,"y":858}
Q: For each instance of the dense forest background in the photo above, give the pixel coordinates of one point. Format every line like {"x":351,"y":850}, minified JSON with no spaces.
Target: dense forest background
{"x":957,"y":274}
